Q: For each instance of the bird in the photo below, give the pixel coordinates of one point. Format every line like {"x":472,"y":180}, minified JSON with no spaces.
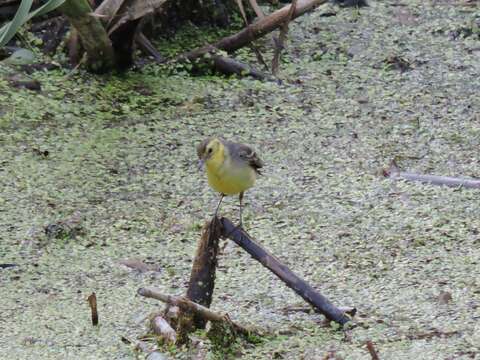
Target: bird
{"x":231,"y":167}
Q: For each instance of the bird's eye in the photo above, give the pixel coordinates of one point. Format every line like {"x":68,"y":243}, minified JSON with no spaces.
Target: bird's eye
{"x":210,"y":150}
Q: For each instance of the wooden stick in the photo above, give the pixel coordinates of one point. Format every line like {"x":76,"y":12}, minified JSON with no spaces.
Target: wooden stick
{"x":254,"y":31}
{"x":187,"y":305}
{"x":298,"y":285}
{"x":202,"y":277}
{"x":4,"y":266}
{"x":254,"y":48}
{"x":229,"y":66}
{"x":372,"y":351}
{"x":280,"y":42}
{"x":92,"y":300}
{"x":345,"y":309}
{"x":394,"y":172}
{"x":148,"y":48}
{"x":182,"y":302}
{"x":256,"y":8}
{"x":162,"y":328}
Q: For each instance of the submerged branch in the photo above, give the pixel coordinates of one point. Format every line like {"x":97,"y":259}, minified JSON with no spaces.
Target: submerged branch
{"x":394,"y":172}
{"x":161,"y":327}
{"x":229,"y":66}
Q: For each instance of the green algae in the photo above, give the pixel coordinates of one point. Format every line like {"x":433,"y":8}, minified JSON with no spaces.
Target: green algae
{"x":121,"y":160}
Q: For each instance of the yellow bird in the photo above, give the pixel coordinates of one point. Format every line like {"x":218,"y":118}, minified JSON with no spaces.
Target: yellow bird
{"x":231,"y":168}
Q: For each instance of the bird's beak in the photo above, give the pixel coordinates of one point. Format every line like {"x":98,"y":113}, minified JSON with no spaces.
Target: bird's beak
{"x":201,"y":164}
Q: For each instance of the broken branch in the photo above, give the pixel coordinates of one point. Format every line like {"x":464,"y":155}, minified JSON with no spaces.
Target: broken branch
{"x":309,"y":294}
{"x":187,"y":305}
{"x":202,"y":276}
{"x":256,"y":8}
{"x":148,"y":47}
{"x":229,"y":66}
{"x":161,"y":327}
{"x":254,"y":31}
{"x":279,"y":43}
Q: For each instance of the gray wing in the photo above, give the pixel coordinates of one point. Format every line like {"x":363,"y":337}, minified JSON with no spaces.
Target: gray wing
{"x":246,"y":154}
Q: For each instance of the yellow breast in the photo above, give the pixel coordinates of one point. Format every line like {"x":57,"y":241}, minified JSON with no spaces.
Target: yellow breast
{"x":229,"y":177}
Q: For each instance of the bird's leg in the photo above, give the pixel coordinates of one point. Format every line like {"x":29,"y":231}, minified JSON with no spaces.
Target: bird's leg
{"x":240,"y":197}
{"x":214,"y":220}
{"x":218,"y":206}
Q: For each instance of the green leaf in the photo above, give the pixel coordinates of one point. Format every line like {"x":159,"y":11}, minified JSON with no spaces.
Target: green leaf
{"x":21,"y":57}
{"x":8,"y":30}
{"x":22,"y":16}
{"x":49,"y":6}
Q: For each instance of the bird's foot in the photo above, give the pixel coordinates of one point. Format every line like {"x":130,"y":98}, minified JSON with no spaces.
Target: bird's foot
{"x":239,"y":226}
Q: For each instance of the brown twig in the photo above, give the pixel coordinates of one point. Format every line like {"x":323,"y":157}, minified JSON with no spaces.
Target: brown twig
{"x":252,"y":45}
{"x":229,"y":66}
{"x":92,"y":300}
{"x":257,"y":9}
{"x":280,"y":42}
{"x":372,"y":351}
{"x":253,"y":31}
{"x":161,"y":327}
{"x":148,"y":47}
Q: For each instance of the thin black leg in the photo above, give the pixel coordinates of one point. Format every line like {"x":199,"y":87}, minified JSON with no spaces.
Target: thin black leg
{"x":240,"y":197}
{"x":218,"y":206}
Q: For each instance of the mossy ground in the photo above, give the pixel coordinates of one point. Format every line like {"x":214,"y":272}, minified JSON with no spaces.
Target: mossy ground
{"x":121,"y":162}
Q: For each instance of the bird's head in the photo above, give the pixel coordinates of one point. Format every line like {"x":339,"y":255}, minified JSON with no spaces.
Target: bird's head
{"x":209,"y":149}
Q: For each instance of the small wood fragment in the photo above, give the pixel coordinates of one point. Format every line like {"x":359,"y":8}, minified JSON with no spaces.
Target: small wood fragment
{"x":257,"y":9}
{"x":172,"y":314}
{"x":444,"y":297}
{"x":372,"y":351}
{"x":6,"y":266}
{"x":139,"y":265}
{"x":351,"y":311}
{"x":25,"y":83}
{"x":252,"y":45}
{"x":229,"y":66}
{"x":161,"y":327}
{"x":147,"y":47}
{"x":92,"y":300}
